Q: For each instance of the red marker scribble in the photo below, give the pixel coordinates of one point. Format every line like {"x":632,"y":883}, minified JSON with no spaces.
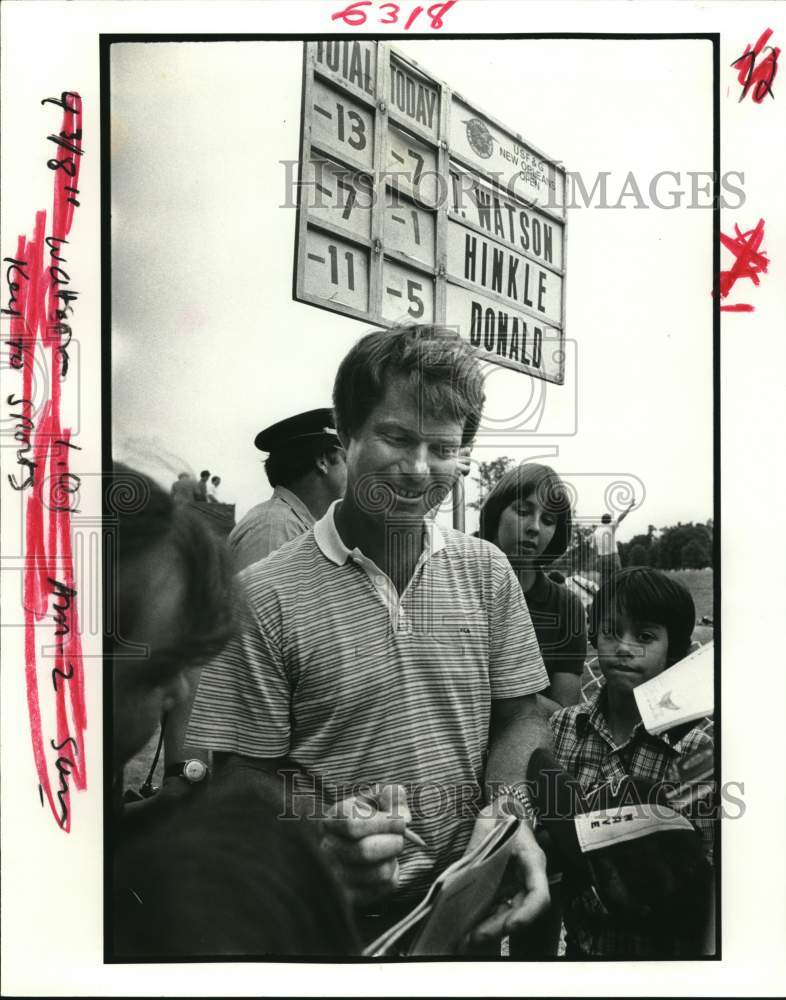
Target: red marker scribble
{"x":760,"y":77}
{"x":749,"y":262}
{"x":39,"y":311}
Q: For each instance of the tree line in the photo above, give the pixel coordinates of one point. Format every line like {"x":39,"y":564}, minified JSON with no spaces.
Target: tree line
{"x":681,"y":546}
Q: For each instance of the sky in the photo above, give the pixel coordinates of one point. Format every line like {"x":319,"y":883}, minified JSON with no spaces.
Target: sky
{"x":208,"y":346}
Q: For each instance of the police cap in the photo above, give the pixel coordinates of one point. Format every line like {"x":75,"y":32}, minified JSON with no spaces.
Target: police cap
{"x":312,"y":424}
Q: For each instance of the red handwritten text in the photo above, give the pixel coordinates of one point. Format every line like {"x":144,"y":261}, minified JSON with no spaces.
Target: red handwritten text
{"x":39,"y":304}
{"x":354,"y":15}
{"x":759,"y":77}
{"x":749,"y":262}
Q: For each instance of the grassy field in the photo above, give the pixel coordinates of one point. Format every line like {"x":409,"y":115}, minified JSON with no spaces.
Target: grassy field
{"x":699,"y":583}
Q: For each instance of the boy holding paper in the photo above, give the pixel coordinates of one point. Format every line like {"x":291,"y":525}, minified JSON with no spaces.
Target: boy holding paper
{"x":640,"y":623}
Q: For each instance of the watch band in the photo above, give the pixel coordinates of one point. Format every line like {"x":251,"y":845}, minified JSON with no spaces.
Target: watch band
{"x":519,"y":794}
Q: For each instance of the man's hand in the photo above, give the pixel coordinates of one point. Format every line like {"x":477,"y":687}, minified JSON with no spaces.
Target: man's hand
{"x":363,"y":841}
{"x":532,"y":898}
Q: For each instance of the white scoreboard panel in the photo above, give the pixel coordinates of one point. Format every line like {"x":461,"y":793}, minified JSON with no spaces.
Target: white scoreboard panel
{"x":415,"y":206}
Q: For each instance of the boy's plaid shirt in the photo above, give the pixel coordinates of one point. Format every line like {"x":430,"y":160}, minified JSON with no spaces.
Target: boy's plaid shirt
{"x":585,"y":747}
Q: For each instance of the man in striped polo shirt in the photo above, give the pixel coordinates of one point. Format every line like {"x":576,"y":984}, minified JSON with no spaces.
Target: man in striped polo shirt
{"x":379,"y":650}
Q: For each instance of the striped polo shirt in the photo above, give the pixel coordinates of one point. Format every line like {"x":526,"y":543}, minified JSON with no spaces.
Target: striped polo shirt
{"x":359,"y":684}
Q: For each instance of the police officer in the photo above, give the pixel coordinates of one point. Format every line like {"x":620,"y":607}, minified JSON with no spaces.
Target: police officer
{"x":307,"y":470}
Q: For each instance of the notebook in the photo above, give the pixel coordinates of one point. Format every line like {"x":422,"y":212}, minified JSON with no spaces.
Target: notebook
{"x":456,"y":902}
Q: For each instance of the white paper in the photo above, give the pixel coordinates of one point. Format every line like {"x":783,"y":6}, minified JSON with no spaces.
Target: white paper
{"x":680,"y":694}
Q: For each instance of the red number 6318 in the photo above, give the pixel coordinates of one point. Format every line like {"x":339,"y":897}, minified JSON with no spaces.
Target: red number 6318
{"x":354,"y":16}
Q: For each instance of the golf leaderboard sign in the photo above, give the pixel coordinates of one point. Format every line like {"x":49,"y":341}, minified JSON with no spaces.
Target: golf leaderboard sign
{"x":415,"y":206}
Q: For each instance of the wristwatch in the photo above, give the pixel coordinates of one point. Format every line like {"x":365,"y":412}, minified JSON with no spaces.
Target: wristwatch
{"x":193,"y":771}
{"x":519,"y":794}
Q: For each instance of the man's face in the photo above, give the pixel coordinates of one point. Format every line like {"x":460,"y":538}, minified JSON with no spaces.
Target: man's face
{"x":402,"y":461}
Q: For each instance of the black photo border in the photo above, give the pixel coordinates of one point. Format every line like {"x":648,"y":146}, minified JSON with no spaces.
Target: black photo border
{"x":105,"y":41}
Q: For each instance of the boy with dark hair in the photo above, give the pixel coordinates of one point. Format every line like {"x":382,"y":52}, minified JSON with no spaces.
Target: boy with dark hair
{"x":640,"y":623}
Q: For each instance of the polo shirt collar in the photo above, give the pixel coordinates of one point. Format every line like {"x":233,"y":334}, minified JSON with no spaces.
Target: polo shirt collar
{"x":328,"y":539}
{"x":333,"y":548}
{"x":294,"y":501}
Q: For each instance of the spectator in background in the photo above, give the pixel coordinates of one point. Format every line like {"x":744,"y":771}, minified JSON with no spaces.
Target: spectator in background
{"x":307,"y":469}
{"x":528,"y":515}
{"x":183,"y":488}
{"x":604,"y":542}
{"x":216,"y":874}
{"x":212,"y":489}
{"x":200,"y":490}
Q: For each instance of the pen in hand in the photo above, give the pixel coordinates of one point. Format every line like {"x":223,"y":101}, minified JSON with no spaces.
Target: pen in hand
{"x":407,"y":834}
{"x":290,"y":762}
{"x":411,"y":836}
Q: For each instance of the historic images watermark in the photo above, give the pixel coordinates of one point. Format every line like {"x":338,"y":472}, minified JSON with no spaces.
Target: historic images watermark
{"x":304,"y":795}
{"x":606,"y":189}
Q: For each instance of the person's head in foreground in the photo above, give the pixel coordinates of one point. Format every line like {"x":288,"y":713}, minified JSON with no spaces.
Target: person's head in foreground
{"x":406,"y":400}
{"x":215,"y":480}
{"x":225,"y":877}
{"x":171,"y":590}
{"x":640,"y":622}
{"x":528,"y":515}
{"x":217,"y":876}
